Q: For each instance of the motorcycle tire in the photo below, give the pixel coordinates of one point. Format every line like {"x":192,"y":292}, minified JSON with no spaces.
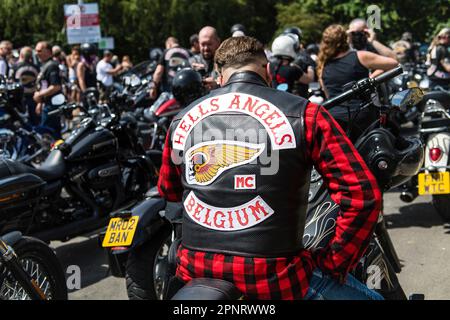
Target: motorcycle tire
{"x":36,"y":253}
{"x":442,"y":205}
{"x":141,"y":266}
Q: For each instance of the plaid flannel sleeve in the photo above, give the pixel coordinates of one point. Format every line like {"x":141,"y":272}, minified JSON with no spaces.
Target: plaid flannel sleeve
{"x":169,"y":183}
{"x":351,"y":185}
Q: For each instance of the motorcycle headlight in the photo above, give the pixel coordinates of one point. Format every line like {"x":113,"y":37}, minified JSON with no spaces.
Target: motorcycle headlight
{"x":425,"y":84}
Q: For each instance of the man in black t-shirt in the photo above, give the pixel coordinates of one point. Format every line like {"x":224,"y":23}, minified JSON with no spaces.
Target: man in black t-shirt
{"x":173,"y":59}
{"x":26,"y":73}
{"x":49,"y":85}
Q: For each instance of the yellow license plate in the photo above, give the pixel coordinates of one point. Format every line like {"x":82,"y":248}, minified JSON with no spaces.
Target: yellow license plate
{"x":434,"y":183}
{"x":120,"y":232}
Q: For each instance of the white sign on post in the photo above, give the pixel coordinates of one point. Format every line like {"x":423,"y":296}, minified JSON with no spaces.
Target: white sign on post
{"x":106,"y":43}
{"x":83,"y":23}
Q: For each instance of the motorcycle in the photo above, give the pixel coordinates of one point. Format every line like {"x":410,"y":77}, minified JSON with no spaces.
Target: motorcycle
{"x":29,"y":270}
{"x":434,"y":130}
{"x":18,"y":139}
{"x":154,"y":227}
{"x":98,"y":169}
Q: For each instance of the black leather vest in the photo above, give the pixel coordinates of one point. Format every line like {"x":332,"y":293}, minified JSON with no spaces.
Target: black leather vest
{"x":244,"y":170}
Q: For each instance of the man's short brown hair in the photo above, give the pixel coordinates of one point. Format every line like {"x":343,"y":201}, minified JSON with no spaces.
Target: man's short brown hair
{"x":238,"y":52}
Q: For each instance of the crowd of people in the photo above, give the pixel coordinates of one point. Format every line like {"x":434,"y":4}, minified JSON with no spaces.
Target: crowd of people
{"x":345,"y":54}
{"x":241,"y":65}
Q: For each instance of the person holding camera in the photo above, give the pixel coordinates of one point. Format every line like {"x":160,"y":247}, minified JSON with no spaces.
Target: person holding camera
{"x":439,"y":60}
{"x":361,"y":37}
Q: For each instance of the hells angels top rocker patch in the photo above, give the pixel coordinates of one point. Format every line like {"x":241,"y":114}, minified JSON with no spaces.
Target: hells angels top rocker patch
{"x":272,"y":118}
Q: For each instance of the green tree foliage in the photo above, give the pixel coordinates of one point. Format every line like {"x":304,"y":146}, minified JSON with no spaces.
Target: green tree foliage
{"x":138,"y":25}
{"x":421,"y":17}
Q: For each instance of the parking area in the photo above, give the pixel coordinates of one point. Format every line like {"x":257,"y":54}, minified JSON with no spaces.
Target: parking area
{"x":420,"y":236}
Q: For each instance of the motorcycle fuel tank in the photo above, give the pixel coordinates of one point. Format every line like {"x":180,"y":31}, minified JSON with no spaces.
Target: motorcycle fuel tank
{"x":100,"y":143}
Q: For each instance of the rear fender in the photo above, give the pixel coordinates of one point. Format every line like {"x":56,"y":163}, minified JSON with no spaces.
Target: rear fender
{"x":442,"y":141}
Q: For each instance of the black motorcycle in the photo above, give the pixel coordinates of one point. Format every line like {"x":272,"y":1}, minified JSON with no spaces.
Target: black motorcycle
{"x":29,"y":270}
{"x":18,"y":139}
{"x":100,"y":168}
{"x":148,"y":260}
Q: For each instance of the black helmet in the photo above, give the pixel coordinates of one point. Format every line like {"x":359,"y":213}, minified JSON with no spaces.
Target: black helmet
{"x":187,"y":86}
{"x":238,"y":27}
{"x":294,"y":30}
{"x":393,"y":160}
{"x":313,"y":49}
{"x":156,"y":54}
{"x":88,"y":49}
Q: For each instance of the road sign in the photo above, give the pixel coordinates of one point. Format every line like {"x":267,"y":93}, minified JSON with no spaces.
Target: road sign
{"x":83,"y":23}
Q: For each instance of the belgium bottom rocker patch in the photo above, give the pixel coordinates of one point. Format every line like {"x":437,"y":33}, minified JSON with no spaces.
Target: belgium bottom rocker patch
{"x":227,"y":219}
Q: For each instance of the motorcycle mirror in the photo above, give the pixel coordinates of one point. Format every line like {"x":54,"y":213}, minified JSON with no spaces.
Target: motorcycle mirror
{"x":58,"y":100}
{"x":407,"y":98}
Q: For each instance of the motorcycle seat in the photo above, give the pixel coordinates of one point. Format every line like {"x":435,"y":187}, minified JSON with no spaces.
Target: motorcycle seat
{"x":203,"y":289}
{"x":52,"y":169}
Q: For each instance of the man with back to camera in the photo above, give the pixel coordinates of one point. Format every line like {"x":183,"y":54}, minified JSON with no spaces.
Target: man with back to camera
{"x":26,"y":73}
{"x":173,"y":59}
{"x":229,"y":227}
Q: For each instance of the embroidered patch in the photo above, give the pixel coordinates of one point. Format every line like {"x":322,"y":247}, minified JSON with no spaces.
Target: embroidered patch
{"x":227,"y":219}
{"x":245,"y":182}
{"x":271,"y":117}
{"x":205,"y":162}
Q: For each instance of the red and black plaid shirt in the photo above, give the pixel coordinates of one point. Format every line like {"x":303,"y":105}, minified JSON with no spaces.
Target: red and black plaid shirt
{"x":351,"y":185}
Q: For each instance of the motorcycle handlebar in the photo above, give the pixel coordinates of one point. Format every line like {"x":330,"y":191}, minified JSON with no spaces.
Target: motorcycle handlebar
{"x":389,"y":75}
{"x":363,"y":85}
{"x":61,"y":109}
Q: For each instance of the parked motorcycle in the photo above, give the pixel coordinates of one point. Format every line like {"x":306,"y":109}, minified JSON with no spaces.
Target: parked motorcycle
{"x":18,"y":139}
{"x":29,"y":270}
{"x":153,"y":229}
{"x":98,"y":169}
{"x":434,"y":129}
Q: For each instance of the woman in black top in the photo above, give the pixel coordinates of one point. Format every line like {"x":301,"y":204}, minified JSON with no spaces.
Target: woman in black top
{"x":439,"y":60}
{"x":338,"y":66}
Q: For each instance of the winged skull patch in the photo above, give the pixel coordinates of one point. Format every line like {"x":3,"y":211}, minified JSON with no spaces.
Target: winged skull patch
{"x":205,"y":162}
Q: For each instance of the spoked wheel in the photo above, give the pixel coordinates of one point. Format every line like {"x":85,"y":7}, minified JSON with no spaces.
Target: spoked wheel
{"x":40,"y":262}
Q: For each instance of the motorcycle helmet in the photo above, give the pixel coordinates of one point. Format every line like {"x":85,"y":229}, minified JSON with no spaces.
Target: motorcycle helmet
{"x":88,"y":49}
{"x":238,"y":29}
{"x":295,"y":31}
{"x":156,"y":54}
{"x":187,"y":86}
{"x":392,"y":160}
{"x":284,"y":46}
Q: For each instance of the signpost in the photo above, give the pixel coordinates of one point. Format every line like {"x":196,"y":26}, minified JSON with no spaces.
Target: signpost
{"x":83,"y":23}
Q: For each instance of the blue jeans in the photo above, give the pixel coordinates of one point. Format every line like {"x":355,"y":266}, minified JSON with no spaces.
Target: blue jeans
{"x":323,"y":287}
{"x":53,"y":122}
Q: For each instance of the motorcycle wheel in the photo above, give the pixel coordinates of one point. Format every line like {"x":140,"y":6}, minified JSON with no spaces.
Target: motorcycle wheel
{"x":147,"y":268}
{"x":442,"y":205}
{"x":41,"y":263}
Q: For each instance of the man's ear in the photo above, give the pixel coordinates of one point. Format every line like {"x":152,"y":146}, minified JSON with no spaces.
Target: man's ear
{"x":269,"y":74}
